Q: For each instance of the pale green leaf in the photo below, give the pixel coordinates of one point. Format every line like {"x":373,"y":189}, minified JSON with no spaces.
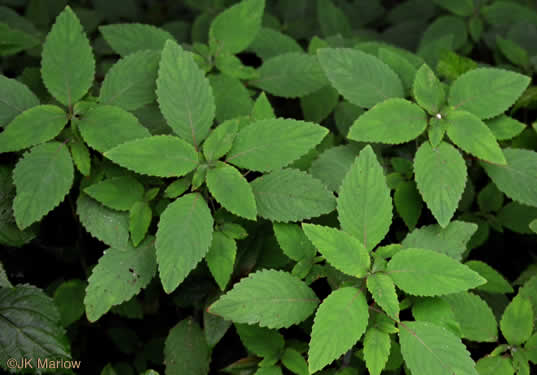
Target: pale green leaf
{"x":119,"y":275}
{"x":361,"y":78}
{"x":364,"y":204}
{"x":517,"y":321}
{"x":428,"y":90}
{"x":487,"y":92}
{"x":290,"y":75}
{"x":262,"y":109}
{"x":376,"y":350}
{"x":440,"y":174}
{"x":128,"y":38}
{"x":430,"y":349}
{"x":159,"y":155}
{"x":221,"y":258}
{"x":504,"y":127}
{"x":269,"y":43}
{"x":118,"y":193}
{"x":293,"y":241}
{"x":291,"y":195}
{"x":195,"y":360}
{"x":104,"y":127}
{"x":183,"y":238}
{"x":498,"y":365}
{"x":261,"y":341}
{"x":339,"y":323}
{"x":274,"y":299}
{"x":220,"y":140}
{"x":235,"y":28}
{"x":130,"y":83}
{"x":408,"y":203}
{"x":231,"y":190}
{"x":340,"y":249}
{"x":140,"y":216}
{"x":69,"y":298}
{"x":230,"y":97}
{"x":332,"y":165}
{"x":271,"y":144}
{"x":184,"y":94}
{"x":391,"y":121}
{"x":43,"y":177}
{"x":382,"y":289}
{"x":429,"y":273}
{"x":67,"y":64}
{"x":517,"y":179}
{"x":33,"y":126}
{"x":15,"y":98}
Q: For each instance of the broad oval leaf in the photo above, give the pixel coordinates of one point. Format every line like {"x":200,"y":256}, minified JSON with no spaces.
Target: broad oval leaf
{"x":128,"y":38}
{"x":273,"y":299}
{"x":428,"y":273}
{"x":361,"y":78}
{"x":392,"y":121}
{"x":487,"y":92}
{"x":119,"y":275}
{"x":339,"y":323}
{"x":231,"y":190}
{"x":291,"y":195}
{"x":195,"y":360}
{"x":364,"y":204}
{"x":15,"y":98}
{"x":159,"y":155}
{"x":440,"y":174}
{"x":183,"y":238}
{"x":271,"y":144}
{"x":184,"y":94}
{"x":43,"y":177}
{"x":118,"y":193}
{"x":67,"y":65}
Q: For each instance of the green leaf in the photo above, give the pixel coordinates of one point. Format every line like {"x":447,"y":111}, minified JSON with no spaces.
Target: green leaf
{"x":490,"y":199}
{"x":498,"y":365}
{"x":428,"y":273}
{"x":231,"y":97}
{"x":463,"y":8}
{"x":130,"y":83}
{"x":318,"y":105}
{"x":107,"y":225}
{"x":195,"y":360}
{"x":15,"y":41}
{"x":119,"y":275}
{"x":69,"y":298}
{"x":15,"y":98}
{"x":496,"y":283}
{"x":442,"y":27}
{"x":262,"y":109}
{"x":271,"y":144}
{"x":332,"y":165}
{"x":30,"y":326}
{"x":118,"y":193}
{"x":274,"y":299}
{"x":392,"y":121}
{"x":128,"y":38}
{"x":33,"y":126}
{"x":4,"y":281}
{"x":376,"y":350}
{"x":504,"y":127}
{"x":104,"y":127}
{"x":291,"y":195}
{"x":140,"y":216}
{"x":533,"y":226}
{"x":382,"y":289}
{"x":361,"y":78}
{"x":272,"y":370}
{"x":221,"y":258}
{"x":220,"y":140}
{"x":517,"y":321}
{"x":408,"y":203}
{"x":513,"y":51}
{"x":67,"y":65}
{"x":340,"y":249}
{"x":440,"y":175}
{"x":399,"y":63}
{"x":430,"y":349}
{"x":235,"y":28}
{"x":81,"y":155}
{"x":231,"y":190}
{"x":517,"y":217}
{"x":428,"y":90}
{"x":214,"y":327}
{"x":293,"y":241}
{"x":43,"y":177}
{"x":184,"y":94}
{"x":517,"y":179}
{"x":364,"y":204}
{"x":531,"y":348}
{"x":178,"y":187}
{"x":261,"y":341}
{"x":487,"y":92}
{"x":269,"y":43}
{"x":473,"y":136}
{"x":451,"y":240}
{"x":339,"y":323}
{"x":332,"y":19}
{"x":159,"y":155}
{"x":184,"y":235}
{"x":438,"y":311}
{"x":290,"y":75}
{"x":294,"y":361}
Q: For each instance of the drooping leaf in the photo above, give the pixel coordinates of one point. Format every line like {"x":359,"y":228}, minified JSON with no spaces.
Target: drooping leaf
{"x":382,"y":289}
{"x":291,"y":195}
{"x":184,"y":94}
{"x":195,"y":360}
{"x":392,"y":121}
{"x":231,"y":190}
{"x":430,"y":349}
{"x":487,"y":92}
{"x":230,"y":97}
{"x":159,"y":155}
{"x":261,"y":341}
{"x":428,"y":90}
{"x":440,"y":174}
{"x":271,"y":144}
{"x":361,"y":78}
{"x":119,"y":275}
{"x":364,"y":204}
{"x":221,"y":258}
{"x":517,"y":321}
{"x":332,"y":165}
{"x":67,"y":65}
{"x":376,"y":350}
{"x":128,"y":38}
{"x":118,"y":193}
{"x":15,"y":98}
{"x":183,"y":238}
{"x":274,"y":299}
{"x":339,"y":323}
{"x":293,"y":241}
{"x":428,"y":273}
{"x":43,"y":177}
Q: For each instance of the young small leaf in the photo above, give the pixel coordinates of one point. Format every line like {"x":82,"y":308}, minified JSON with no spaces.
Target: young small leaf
{"x":140,"y":216}
{"x":382,"y":289}
{"x":428,"y":90}
{"x":220,"y":140}
{"x":221,"y":258}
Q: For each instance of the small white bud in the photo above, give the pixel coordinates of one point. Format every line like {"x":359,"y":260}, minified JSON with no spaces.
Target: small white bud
{"x":439,"y":116}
